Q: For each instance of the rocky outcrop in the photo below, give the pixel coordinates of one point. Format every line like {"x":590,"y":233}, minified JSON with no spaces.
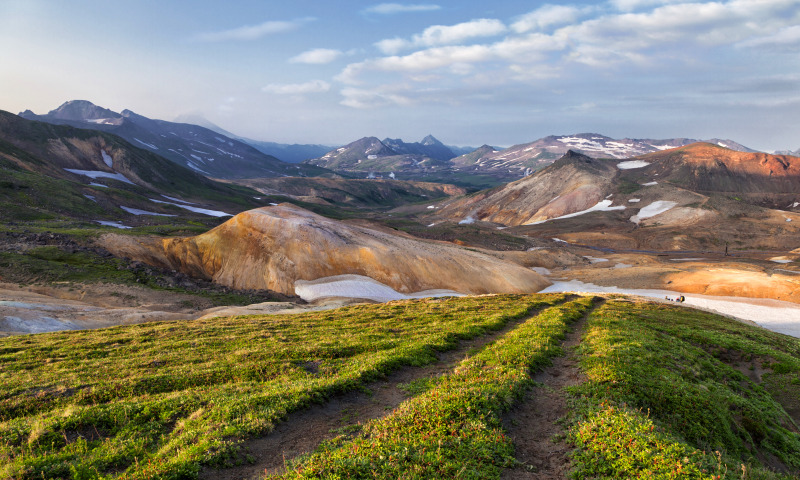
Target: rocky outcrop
{"x":273,"y":247}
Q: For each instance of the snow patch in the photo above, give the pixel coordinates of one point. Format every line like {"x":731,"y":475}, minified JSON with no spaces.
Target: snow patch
{"x":177,"y":200}
{"x":635,"y":200}
{"x":109,"y":223}
{"x":107,"y":158}
{"x":149,"y":145}
{"x":655,"y":208}
{"x":601,"y":206}
{"x":780,"y":260}
{"x":204,"y":211}
{"x":95,"y":184}
{"x":90,"y":197}
{"x":99,"y":174}
{"x":622,"y":265}
{"x":196,"y":168}
{"x":430,"y":207}
{"x":541,"y":270}
{"x":136,"y":211}
{"x":358,"y":286}
{"x":649,"y":184}
{"x":595,"y":259}
{"x":775,"y":315}
{"x":631,"y":164}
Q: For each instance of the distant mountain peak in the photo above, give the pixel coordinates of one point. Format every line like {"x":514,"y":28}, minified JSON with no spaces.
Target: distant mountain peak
{"x":82,"y":110}
{"x":430,"y":140}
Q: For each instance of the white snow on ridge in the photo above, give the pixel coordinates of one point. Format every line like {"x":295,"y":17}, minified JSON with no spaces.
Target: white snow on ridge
{"x":179,"y":200}
{"x":631,"y":164}
{"x":107,"y":158}
{"x":149,"y":145}
{"x":109,"y":223}
{"x":204,"y":211}
{"x":635,"y":200}
{"x":195,"y":167}
{"x":775,"y":315}
{"x":136,"y":211}
{"x":601,"y":206}
{"x":649,"y":184}
{"x":655,"y":208}
{"x":661,"y":147}
{"x":99,"y":174}
{"x":358,"y":286}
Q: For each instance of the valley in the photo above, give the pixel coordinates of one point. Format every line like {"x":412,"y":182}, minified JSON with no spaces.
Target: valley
{"x":158,"y":321}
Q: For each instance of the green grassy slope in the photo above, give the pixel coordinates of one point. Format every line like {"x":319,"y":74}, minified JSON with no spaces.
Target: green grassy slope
{"x":663,"y":396}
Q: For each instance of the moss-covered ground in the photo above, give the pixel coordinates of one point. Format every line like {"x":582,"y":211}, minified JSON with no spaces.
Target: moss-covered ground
{"x":668,"y":392}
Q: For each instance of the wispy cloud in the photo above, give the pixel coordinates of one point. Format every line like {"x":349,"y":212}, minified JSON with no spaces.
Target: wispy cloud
{"x":393,"y":8}
{"x":253,"y":32}
{"x":437,"y":35}
{"x":314,"y":86}
{"x":317,"y":56}
{"x":785,"y":39}
{"x":548,"y":16}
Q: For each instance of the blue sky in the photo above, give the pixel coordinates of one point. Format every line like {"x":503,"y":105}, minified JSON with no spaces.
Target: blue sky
{"x":469,"y":72}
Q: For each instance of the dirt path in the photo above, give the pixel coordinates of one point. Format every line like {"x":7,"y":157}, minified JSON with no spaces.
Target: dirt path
{"x":533,"y":423}
{"x":303,"y":431}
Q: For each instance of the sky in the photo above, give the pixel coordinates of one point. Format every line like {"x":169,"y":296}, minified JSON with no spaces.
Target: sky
{"x":470,"y":72}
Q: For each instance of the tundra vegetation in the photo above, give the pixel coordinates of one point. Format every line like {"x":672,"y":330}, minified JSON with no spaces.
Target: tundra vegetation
{"x":669,"y":392}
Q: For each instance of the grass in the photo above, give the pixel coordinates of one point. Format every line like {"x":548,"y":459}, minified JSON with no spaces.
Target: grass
{"x":453,"y":429}
{"x":158,"y":400}
{"x":50,"y":264}
{"x":670,"y":392}
{"x":661,"y":401}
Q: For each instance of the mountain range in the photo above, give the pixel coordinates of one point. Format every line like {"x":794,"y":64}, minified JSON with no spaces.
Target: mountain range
{"x":431,"y":157}
{"x":196,"y":147}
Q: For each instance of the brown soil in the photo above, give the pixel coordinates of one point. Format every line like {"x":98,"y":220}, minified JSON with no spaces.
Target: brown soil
{"x":303,"y":431}
{"x":533,"y":424}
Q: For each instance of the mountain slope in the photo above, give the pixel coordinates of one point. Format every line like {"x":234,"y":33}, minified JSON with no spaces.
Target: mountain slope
{"x":65,"y":171}
{"x":192,"y":146}
{"x":573,"y":183}
{"x":353,"y":192}
{"x":766,"y":180}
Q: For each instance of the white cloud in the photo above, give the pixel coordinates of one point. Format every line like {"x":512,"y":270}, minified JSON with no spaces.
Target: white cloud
{"x":785,"y":38}
{"x":364,"y":98}
{"x":393,"y":8}
{"x":438,"y":35}
{"x":314,"y":86}
{"x":317,"y":56}
{"x":631,"y":5}
{"x":253,"y":32}
{"x":547,"y":16}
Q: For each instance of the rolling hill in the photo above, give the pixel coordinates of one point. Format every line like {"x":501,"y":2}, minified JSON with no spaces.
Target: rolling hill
{"x":277,"y":247}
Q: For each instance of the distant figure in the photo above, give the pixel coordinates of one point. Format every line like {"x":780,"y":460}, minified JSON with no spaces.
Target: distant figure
{"x":726,"y":249}
{"x":681,"y":299}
